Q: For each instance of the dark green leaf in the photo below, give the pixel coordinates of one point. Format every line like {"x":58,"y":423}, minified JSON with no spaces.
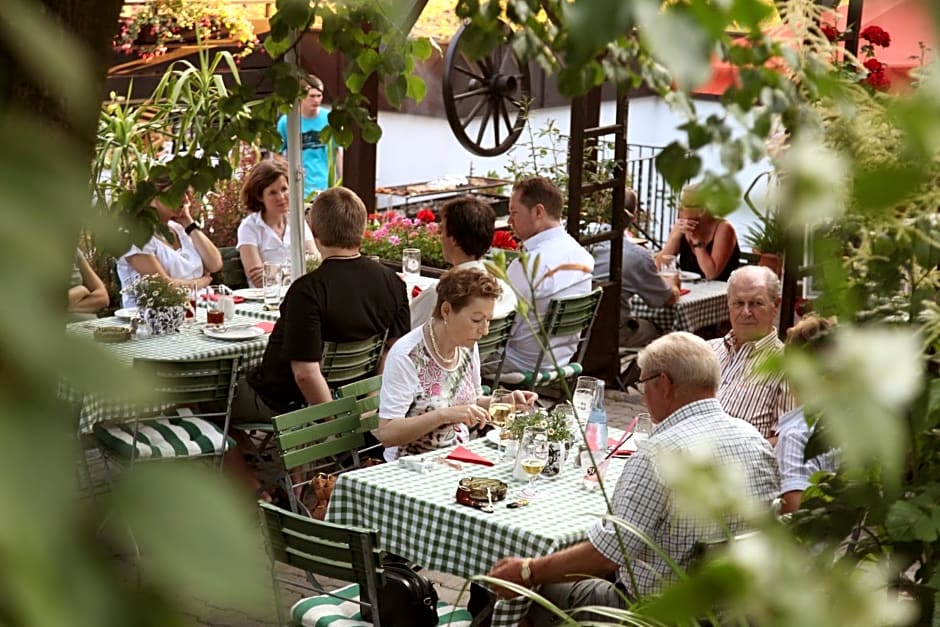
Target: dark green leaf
{"x":906,"y":522}
{"x":678,"y":165}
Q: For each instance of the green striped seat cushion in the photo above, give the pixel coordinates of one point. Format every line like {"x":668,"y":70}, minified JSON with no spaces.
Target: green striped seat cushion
{"x":329,"y":611}
{"x":543,"y":378}
{"x":163,"y":438}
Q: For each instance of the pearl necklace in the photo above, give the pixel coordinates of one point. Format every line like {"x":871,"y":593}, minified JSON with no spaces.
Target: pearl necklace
{"x":437,"y":351}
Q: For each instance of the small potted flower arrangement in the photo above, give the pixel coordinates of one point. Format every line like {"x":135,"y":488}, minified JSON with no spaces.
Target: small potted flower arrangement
{"x":558,"y":426}
{"x":161,"y":305}
{"x":387,"y":234}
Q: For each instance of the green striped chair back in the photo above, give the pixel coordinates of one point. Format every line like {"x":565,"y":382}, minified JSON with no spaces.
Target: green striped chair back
{"x":319,"y":432}
{"x":492,"y":346}
{"x":367,"y":399}
{"x":343,"y":362}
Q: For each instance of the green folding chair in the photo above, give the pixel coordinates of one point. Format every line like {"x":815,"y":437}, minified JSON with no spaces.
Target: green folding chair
{"x":181,"y":385}
{"x":348,"y":554}
{"x":569,"y":316}
{"x":343,"y":362}
{"x":492,"y":347}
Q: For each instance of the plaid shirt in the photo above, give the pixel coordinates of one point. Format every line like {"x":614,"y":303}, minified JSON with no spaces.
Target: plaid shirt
{"x":790,"y":449}
{"x":758,"y":398}
{"x":642,"y":498}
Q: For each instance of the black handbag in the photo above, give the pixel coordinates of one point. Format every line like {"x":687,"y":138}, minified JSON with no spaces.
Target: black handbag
{"x":408,"y":598}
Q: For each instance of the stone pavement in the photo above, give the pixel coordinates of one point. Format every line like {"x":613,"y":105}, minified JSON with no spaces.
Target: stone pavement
{"x":621,"y":408}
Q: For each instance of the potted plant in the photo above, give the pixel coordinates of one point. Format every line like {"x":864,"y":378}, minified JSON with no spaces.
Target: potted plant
{"x":388,"y":234}
{"x":766,"y":236}
{"x":161,"y":305}
{"x":557,"y":424}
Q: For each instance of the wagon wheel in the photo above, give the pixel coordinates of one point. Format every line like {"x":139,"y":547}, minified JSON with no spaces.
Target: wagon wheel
{"x":485,"y":99}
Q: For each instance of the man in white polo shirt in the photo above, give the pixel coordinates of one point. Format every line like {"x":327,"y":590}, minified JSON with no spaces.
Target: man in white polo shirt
{"x":557,"y":265}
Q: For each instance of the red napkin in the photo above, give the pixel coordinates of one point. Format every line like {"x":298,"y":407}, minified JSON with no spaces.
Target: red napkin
{"x":235,"y":299}
{"x":415,"y":291}
{"x":265,"y":326}
{"x":462,"y":454}
{"x":684,"y":291}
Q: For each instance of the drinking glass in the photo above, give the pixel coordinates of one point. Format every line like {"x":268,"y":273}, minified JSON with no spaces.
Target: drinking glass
{"x":585,"y":397}
{"x":271,"y":287}
{"x":502,"y":408}
{"x":571,"y":418}
{"x":192,"y":294}
{"x":411,"y":261}
{"x":669,"y":270}
{"x":595,"y":467}
{"x":644,"y":427}
{"x":215,"y":314}
{"x":534,"y":451}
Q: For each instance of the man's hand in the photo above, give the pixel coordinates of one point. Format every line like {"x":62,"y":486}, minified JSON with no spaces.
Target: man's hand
{"x":508,"y":569}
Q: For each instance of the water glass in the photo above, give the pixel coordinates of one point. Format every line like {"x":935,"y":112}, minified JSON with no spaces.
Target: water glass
{"x":585,"y":397}
{"x":411,"y":261}
{"x":215,"y":314}
{"x":273,"y":279}
{"x":594,"y":466}
{"x":644,"y":427}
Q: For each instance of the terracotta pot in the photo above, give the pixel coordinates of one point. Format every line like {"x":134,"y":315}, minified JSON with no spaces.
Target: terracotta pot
{"x":772,"y":261}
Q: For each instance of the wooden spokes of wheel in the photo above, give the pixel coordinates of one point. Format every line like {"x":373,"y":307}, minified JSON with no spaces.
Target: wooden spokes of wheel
{"x":486,"y":99}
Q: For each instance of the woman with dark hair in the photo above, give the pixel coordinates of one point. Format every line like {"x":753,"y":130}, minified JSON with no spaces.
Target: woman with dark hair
{"x":188,"y":258}
{"x":431,"y":393}
{"x":264,"y":235}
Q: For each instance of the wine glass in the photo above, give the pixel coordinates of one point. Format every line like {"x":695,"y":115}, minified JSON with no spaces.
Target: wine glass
{"x":534,"y":451}
{"x":502,"y":408}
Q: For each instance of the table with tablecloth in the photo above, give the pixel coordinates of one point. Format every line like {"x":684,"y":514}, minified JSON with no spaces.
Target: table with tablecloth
{"x":417,"y":515}
{"x":190,"y":344}
{"x":704,"y":305}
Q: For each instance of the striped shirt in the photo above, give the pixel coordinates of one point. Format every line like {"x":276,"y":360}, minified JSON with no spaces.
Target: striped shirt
{"x":794,"y":471}
{"x":757,"y":397}
{"x":643,"y":499}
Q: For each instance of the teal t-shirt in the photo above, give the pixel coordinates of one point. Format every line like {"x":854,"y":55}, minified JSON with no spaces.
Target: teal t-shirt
{"x":313,"y":151}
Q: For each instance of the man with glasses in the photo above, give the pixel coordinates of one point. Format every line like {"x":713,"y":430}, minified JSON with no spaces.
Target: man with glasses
{"x":745,"y":392}
{"x":681,"y":375}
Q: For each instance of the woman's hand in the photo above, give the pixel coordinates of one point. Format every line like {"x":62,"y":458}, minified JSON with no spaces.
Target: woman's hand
{"x":524,"y":398}
{"x":470,"y":415}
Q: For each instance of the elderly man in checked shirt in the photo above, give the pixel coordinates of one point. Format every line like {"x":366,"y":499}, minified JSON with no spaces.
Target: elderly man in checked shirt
{"x":680,"y":376}
{"x":753,"y":304}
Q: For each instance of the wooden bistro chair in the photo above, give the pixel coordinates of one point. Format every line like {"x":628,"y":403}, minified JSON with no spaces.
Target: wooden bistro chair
{"x":566,"y":316}
{"x":339,"y":552}
{"x":313,"y":439}
{"x":341,"y":363}
{"x":180,"y":384}
{"x":492,"y":347}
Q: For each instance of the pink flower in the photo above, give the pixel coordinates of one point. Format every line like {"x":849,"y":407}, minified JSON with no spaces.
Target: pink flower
{"x":394,"y":240}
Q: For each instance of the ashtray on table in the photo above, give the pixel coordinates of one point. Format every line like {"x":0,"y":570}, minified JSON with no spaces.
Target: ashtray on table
{"x":112,"y":335}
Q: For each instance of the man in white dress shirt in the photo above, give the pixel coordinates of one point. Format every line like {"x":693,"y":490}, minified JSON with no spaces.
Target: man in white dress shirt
{"x":557,"y":265}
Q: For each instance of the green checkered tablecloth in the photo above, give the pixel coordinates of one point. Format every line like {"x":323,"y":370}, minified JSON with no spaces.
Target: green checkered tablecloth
{"x":417,"y":516}
{"x":188,"y":345}
{"x":705,"y":304}
{"x":255,"y":309}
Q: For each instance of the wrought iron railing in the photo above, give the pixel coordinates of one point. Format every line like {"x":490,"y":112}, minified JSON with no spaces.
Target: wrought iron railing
{"x":656,"y":202}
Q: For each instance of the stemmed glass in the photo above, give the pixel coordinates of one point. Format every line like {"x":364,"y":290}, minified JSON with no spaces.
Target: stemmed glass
{"x":191,"y":292}
{"x":534,"y":450}
{"x":502,"y":409}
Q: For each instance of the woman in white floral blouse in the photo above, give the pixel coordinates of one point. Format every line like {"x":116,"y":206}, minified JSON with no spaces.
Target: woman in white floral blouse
{"x":431,"y":392}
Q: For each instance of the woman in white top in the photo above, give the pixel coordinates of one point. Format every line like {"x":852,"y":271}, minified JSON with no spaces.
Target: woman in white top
{"x":264,"y":236}
{"x":188,"y":258}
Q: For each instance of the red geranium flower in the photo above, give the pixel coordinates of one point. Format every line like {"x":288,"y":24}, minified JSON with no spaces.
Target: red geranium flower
{"x":425,"y":216}
{"x":874,"y":65}
{"x":878,"y":81}
{"x":876,"y":35}
{"x":830,"y":31}
{"x":505,"y":240}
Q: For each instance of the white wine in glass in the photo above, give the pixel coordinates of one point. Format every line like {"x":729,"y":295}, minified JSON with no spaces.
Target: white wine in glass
{"x":534,"y":451}
{"x":502,"y":409}
{"x":532,"y":466}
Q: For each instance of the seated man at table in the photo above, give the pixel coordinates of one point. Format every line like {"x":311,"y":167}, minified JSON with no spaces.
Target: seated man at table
{"x":467,"y":227}
{"x":564,"y":267}
{"x":681,"y":377}
{"x":753,"y":305}
{"x":347,"y":298}
{"x":638,"y":276}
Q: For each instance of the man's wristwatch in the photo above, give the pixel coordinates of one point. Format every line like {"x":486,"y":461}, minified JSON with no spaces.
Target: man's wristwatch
{"x":698,"y":245}
{"x":526,"y":572}
{"x":192,"y":227}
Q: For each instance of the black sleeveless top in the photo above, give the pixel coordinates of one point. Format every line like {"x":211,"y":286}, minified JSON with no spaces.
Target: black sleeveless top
{"x":689,"y":263}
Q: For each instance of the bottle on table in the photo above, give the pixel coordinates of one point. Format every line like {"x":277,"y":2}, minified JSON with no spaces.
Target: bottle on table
{"x":596,"y":430}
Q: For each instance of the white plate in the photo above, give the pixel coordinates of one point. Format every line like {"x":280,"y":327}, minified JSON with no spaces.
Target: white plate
{"x":126,"y":313}
{"x":250,"y":293}
{"x":244,"y":333}
{"x":689,"y":276}
{"x":493,"y":436}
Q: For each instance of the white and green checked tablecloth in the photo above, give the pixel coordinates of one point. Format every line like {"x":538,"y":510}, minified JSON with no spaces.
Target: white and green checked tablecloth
{"x":418,"y":517}
{"x":188,"y":345}
{"x":705,"y":304}
{"x":255,"y":309}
